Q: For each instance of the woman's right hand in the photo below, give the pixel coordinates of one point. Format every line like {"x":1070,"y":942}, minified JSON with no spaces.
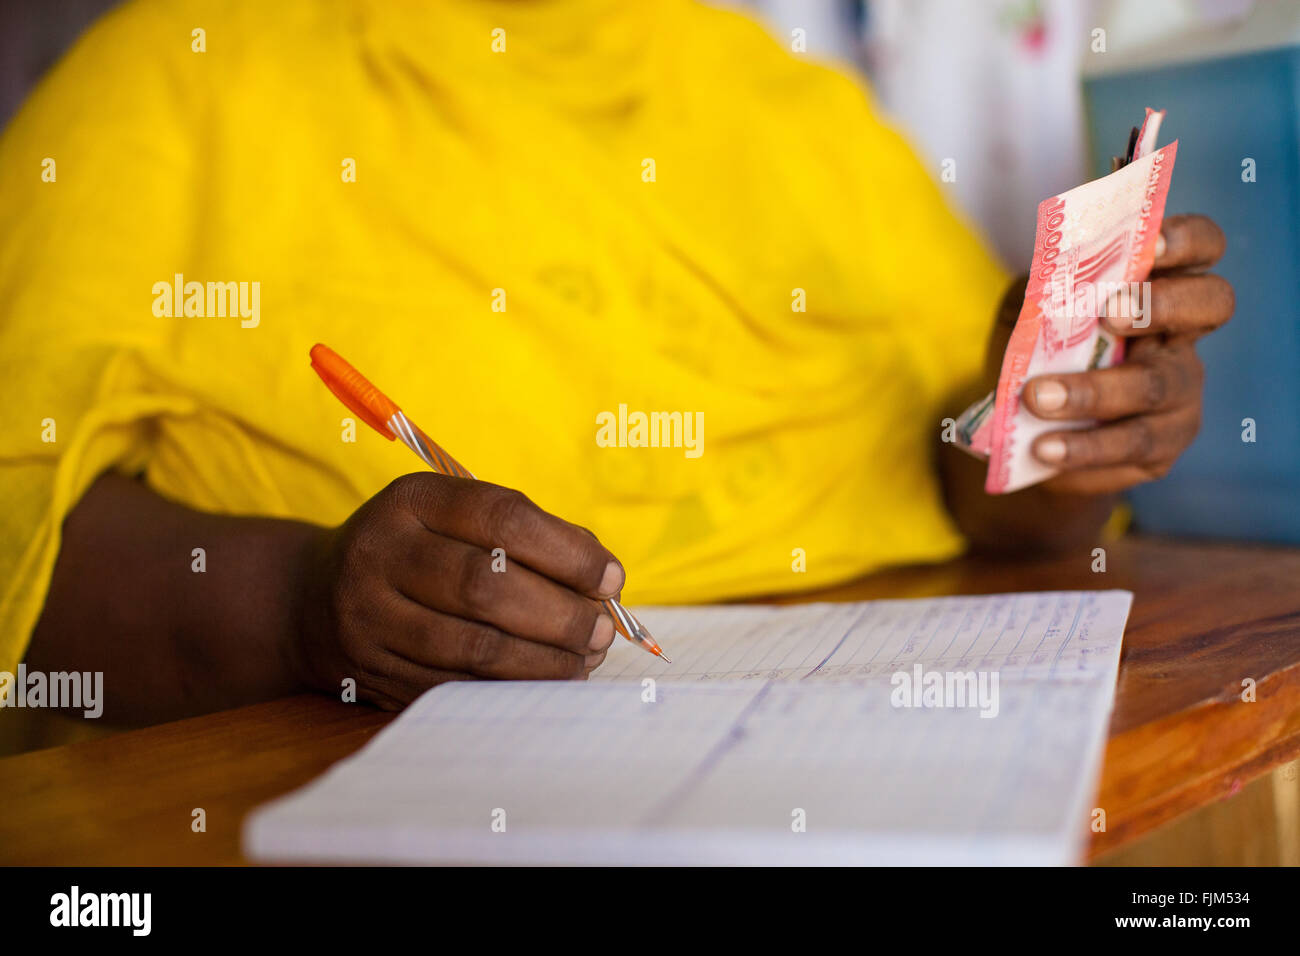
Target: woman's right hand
{"x":409,"y":593}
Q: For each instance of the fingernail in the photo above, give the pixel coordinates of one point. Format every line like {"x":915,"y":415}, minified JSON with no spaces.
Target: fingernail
{"x":602,"y":635}
{"x":612,"y":580}
{"x":592,"y":661}
{"x":1161,"y":244}
{"x":1050,"y":450}
{"x":1050,"y":396}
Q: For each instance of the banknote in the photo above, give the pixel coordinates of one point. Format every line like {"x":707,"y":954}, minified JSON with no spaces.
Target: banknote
{"x":1091,"y":243}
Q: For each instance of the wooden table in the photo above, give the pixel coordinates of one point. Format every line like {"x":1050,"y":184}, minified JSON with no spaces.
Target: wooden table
{"x":1205,"y":617}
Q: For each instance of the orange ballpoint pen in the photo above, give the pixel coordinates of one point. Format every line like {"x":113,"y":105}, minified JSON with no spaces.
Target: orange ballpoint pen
{"x":383,"y":415}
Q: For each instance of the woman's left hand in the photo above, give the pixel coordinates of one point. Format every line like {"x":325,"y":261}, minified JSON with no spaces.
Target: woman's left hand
{"x":1148,"y":408}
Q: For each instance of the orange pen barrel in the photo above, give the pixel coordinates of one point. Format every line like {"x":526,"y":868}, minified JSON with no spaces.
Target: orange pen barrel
{"x":353,"y":389}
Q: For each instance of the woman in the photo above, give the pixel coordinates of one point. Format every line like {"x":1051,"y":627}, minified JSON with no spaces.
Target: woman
{"x":517,"y":218}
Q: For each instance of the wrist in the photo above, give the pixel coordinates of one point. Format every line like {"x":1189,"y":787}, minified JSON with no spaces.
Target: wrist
{"x":300,"y":644}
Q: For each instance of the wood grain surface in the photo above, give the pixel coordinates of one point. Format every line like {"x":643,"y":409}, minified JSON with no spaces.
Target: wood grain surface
{"x":1205,"y":618}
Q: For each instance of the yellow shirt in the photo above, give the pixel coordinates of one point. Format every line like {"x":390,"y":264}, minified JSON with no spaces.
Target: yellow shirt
{"x":605,"y":204}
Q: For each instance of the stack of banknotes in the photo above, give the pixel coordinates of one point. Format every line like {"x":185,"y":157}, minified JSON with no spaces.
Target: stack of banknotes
{"x":1094,"y":247}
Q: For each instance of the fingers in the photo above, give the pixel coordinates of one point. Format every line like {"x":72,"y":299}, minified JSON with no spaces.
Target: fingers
{"x":394,"y":681}
{"x":1176,"y":305}
{"x":465,"y":580}
{"x":490,"y":516}
{"x":443,"y":642}
{"x":1169,"y":378}
{"x":1190,"y":242}
{"x":1151,"y":404}
{"x":593,"y":661}
{"x":1149,"y":443}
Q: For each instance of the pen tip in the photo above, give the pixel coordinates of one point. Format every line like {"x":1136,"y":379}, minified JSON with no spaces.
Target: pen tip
{"x":665,"y":657}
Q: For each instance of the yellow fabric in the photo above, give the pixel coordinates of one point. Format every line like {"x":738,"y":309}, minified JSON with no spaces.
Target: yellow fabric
{"x":477,"y":171}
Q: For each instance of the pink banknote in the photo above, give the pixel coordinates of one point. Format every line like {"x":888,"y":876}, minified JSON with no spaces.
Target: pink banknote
{"x":1091,"y":243}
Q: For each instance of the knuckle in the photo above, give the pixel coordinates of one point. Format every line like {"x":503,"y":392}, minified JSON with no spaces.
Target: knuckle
{"x":475,"y":582}
{"x":589,"y":565}
{"x":409,"y":548}
{"x":1143,"y":440}
{"x":579,"y":627}
{"x":1081,"y":448}
{"x":376,"y":674}
{"x":503,"y":514}
{"x":1157,"y":471}
{"x":480,"y":647}
{"x":590,"y":560}
{"x":1217,"y":237}
{"x":418,"y":493}
{"x":405,"y":488}
{"x":1184,"y":375}
{"x":1188,"y":373}
{"x":553,"y":663}
{"x":367,"y":525}
{"x":1155,"y":386}
{"x":1155,"y":300}
{"x":1166,"y":301}
{"x":572,"y":666}
{"x":1083,"y":394}
{"x":1227,"y":294}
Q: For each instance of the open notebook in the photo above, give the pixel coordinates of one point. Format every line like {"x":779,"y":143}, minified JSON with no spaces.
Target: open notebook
{"x":937,"y":731}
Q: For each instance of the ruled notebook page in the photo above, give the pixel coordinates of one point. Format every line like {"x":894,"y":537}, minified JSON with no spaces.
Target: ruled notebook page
{"x":799,"y":750}
{"x":1054,"y":633}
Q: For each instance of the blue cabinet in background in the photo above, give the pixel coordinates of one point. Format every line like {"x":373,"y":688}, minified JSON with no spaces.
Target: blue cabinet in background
{"x":1225,"y":111}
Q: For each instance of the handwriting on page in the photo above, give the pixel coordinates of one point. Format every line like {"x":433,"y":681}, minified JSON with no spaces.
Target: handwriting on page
{"x":816,"y":762}
{"x":1052,"y":632}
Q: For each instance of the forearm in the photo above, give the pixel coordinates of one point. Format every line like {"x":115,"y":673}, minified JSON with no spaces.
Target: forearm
{"x":1036,"y":520}
{"x":172,"y":641}
{"x":1033,"y":521}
